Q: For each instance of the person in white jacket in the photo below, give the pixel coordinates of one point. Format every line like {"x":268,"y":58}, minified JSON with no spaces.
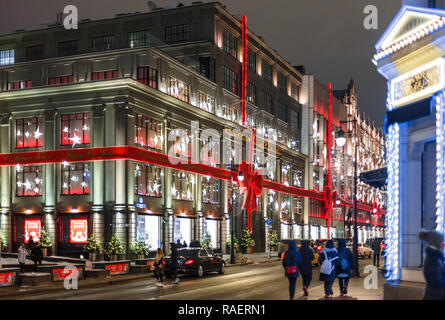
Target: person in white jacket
{"x":22,"y":256}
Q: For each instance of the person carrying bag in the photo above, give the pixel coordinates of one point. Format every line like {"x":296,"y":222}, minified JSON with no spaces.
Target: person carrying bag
{"x":159,"y":267}
{"x":327,"y":270}
{"x":292,"y":266}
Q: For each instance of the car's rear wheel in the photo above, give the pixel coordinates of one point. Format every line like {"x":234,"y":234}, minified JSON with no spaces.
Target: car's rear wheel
{"x":200,"y":271}
{"x":222,"y":269}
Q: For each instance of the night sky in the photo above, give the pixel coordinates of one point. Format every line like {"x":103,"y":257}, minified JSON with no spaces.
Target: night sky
{"x":327,"y":36}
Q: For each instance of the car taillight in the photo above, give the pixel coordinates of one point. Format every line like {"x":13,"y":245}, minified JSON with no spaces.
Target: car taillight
{"x":319,"y":248}
{"x":188,"y":262}
{"x":282,"y":255}
{"x":163,"y":261}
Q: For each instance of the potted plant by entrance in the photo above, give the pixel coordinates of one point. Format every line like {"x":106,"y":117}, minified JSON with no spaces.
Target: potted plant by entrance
{"x":93,"y":247}
{"x":273,"y":238}
{"x":3,"y":242}
{"x":45,"y":241}
{"x":206,"y":242}
{"x":114,"y":248}
{"x":235,"y":244}
{"x":246,"y":240}
{"x":140,"y":249}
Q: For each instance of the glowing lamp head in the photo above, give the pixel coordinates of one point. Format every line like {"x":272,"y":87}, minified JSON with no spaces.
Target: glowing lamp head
{"x":341,"y":140}
{"x":374,"y":210}
{"x":337,"y":202}
{"x":28,"y":211}
{"x":240,"y":176}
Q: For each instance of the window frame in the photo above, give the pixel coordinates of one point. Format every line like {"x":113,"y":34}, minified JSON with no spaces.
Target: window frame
{"x":39,"y":124}
{"x":79,"y":166}
{"x":39,"y":175}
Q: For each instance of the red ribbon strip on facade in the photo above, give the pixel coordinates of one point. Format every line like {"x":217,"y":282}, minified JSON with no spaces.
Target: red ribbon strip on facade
{"x":251,"y":185}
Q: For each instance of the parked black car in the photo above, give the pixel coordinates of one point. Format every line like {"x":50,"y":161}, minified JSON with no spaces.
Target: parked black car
{"x":196,"y":261}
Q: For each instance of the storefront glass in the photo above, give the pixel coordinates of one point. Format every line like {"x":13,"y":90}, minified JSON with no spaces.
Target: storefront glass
{"x":323,"y":232}
{"x":284,"y":231}
{"x":298,"y":231}
{"x":212,"y":231}
{"x":314,"y":232}
{"x":183,"y":230}
{"x":148,"y":230}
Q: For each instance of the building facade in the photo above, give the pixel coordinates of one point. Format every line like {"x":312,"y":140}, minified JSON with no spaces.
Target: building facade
{"x":138,"y":80}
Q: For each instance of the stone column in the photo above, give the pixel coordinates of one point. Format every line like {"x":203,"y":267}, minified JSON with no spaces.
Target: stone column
{"x":97,"y":219}
{"x":5,"y":183}
{"x":225,"y":212}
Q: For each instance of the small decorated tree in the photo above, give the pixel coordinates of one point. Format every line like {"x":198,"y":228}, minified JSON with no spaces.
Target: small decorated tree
{"x":44,"y":241}
{"x":274,"y":239}
{"x":140,"y":249}
{"x":114,"y":248}
{"x":93,"y":247}
{"x":206,"y":242}
{"x":235,"y":243}
{"x":246,"y":240}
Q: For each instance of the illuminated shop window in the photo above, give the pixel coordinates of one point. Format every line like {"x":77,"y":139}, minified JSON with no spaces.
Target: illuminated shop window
{"x":60,"y":80}
{"x":183,"y":186}
{"x":177,"y":34}
{"x":148,"y":180}
{"x":182,"y":230}
{"x":148,"y":76}
{"x":18,"y":85}
{"x":282,"y":137}
{"x":182,"y":146}
{"x":251,"y":93}
{"x":251,"y":59}
{"x":7,"y":57}
{"x":316,"y":176}
{"x":230,"y":80}
{"x":75,"y":128}
{"x":178,"y":89}
{"x":212,"y":231}
{"x":230,"y":43}
{"x":29,"y":133}
{"x":284,"y":231}
{"x":138,"y":39}
{"x":148,"y":132}
{"x":32,"y":229}
{"x":210,"y":151}
{"x":266,"y":69}
{"x":210,"y":190}
{"x":297,"y":178}
{"x":76,"y":178}
{"x":285,"y":203}
{"x":29,"y":181}
{"x":148,"y":230}
{"x":297,"y":205}
{"x":103,"y":43}
{"x":105,"y":75}
{"x":206,"y":102}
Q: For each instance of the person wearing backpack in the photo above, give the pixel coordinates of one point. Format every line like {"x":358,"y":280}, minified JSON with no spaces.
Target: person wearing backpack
{"x":307,"y":255}
{"x":328,"y":257}
{"x":343,"y":268}
{"x":292,"y":266}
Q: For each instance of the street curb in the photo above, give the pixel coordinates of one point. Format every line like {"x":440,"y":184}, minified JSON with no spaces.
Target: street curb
{"x":59,"y":286}
{"x":257,"y":262}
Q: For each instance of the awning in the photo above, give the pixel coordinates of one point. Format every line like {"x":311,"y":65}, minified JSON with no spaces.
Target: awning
{"x":375,"y":178}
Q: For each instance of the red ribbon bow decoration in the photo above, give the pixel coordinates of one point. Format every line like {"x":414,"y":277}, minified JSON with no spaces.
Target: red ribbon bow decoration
{"x":251,"y":183}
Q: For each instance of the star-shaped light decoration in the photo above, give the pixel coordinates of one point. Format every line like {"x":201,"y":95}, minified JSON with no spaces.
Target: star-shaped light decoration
{"x":84,"y":184}
{"x":18,"y":167}
{"x":75,"y":139}
{"x":65,"y":130}
{"x":27,"y":134}
{"x":156,"y":187}
{"x":36,"y":190}
{"x":85,"y":128}
{"x":19,"y":184}
{"x":27,"y":185}
{"x":65,"y":185}
{"x":74,"y":178}
{"x":37,"y":180}
{"x":37,"y":134}
{"x":19,"y":134}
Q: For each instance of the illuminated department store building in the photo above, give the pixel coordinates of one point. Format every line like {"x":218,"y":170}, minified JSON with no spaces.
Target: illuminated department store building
{"x":131,"y":80}
{"x":410,"y":55}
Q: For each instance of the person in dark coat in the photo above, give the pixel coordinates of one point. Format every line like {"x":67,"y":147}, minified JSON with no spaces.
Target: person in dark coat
{"x":433,"y":266}
{"x":344,"y":266}
{"x":329,"y":252}
{"x":30,"y":243}
{"x":36,"y":255}
{"x":292,"y":266}
{"x":174,"y":262}
{"x":375,"y":246}
{"x":184,"y":244}
{"x":307,"y":255}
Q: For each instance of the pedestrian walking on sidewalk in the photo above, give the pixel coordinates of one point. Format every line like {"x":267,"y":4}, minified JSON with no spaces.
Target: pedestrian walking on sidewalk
{"x":328,"y":257}
{"x":174,"y":263}
{"x":433,"y":266}
{"x":36,"y":255}
{"x":375,"y":246}
{"x":159,"y":267}
{"x":307,"y":255}
{"x":22,"y":253}
{"x":292,"y":266}
{"x":343,"y":267}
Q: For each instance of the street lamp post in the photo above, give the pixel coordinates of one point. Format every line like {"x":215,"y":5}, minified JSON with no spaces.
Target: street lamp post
{"x":341,"y":140}
{"x":232,"y":223}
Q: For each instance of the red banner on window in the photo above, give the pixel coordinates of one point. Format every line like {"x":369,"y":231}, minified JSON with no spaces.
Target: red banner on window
{"x":117,"y":268}
{"x":7,"y":279}
{"x":62,"y":273}
{"x":32,"y":229}
{"x":78,"y":230}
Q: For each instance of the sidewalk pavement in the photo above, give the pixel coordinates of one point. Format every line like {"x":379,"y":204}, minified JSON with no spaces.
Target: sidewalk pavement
{"x":256,"y":257}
